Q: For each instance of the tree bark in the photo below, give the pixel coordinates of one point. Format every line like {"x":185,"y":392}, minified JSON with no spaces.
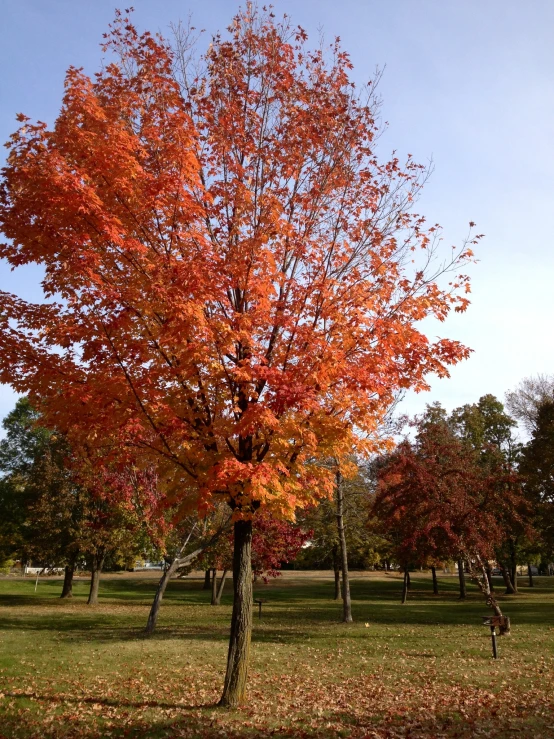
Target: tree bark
{"x":435,"y":581}
{"x":530,"y":575}
{"x":462,"y":579}
{"x":346,"y":602}
{"x":482,"y":582}
{"x":408,"y":580}
{"x":214,"y":587}
{"x":336,"y":570}
{"x":67,"y":589}
{"x":174,"y":565}
{"x":97,"y":563}
{"x":160,"y":591}
{"x":207,"y":580}
{"x":513,"y":565}
{"x":177,"y":563}
{"x":220,"y":587}
{"x":234,"y":689}
{"x":510,"y":590}
{"x":405,"y":585}
{"x":489,"y":578}
{"x":513,"y":575}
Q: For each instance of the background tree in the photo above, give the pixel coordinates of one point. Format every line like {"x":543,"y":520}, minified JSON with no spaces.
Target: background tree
{"x":441,"y":502}
{"x":57,"y":513}
{"x":22,"y":445}
{"x":238,"y":281}
{"x":525,"y":401}
{"x":366,"y":546}
{"x":274,"y":543}
{"x":185,"y":543}
{"x":43,"y":510}
{"x":489,"y":430}
{"x":59,"y":510}
{"x":123,"y":515}
{"x":537,"y":468}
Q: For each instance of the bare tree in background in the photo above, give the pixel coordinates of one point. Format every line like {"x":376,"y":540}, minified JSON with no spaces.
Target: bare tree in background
{"x":524,"y":402}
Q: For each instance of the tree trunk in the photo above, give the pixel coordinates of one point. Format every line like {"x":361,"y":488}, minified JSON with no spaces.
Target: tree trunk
{"x":513,"y":575}
{"x":234,"y":689}
{"x":346,"y":603}
{"x":409,"y":580}
{"x":220,"y":588}
{"x":510,"y":590}
{"x":207,"y":580}
{"x":175,"y":564}
{"x":97,"y":563}
{"x":489,"y":578}
{"x":482,"y":582}
{"x":530,"y":575}
{"x":337,"y":584}
{"x":405,"y":585}
{"x":157,"y":602}
{"x":435,"y":581}
{"x":336,"y":570}
{"x":462,"y":579}
{"x":67,"y":589}
{"x":214,"y":587}
{"x":513,"y":564}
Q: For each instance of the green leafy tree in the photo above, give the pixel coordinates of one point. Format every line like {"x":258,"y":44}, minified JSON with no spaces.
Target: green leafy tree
{"x":537,"y":467}
{"x":365,"y":545}
{"x":489,"y":430}
{"x":23,"y":445}
{"x":54,"y":508}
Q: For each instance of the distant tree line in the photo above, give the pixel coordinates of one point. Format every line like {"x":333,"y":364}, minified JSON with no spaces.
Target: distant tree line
{"x":457,"y":488}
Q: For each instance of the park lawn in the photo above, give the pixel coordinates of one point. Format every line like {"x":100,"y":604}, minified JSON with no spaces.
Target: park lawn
{"x":419,"y":670}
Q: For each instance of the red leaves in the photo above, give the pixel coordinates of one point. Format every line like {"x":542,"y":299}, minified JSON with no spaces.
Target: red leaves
{"x":275,"y":542}
{"x":437,"y":501}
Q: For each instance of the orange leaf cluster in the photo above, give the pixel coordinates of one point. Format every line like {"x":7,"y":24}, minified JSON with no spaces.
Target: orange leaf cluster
{"x":228,"y":266}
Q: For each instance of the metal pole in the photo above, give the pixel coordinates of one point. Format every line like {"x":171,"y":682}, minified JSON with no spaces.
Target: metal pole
{"x":493,"y":637}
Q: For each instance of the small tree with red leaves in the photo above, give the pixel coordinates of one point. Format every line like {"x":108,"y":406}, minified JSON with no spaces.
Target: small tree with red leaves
{"x":436,"y":501}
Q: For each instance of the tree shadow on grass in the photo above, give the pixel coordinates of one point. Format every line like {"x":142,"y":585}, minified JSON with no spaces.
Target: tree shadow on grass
{"x":72,"y":630}
{"x":103,"y":701}
{"x":277,"y":614}
{"x":290,"y":611}
{"x":129,"y":592}
{"x":315,"y":594}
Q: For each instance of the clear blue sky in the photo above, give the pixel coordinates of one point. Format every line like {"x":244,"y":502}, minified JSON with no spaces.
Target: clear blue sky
{"x":468,"y":83}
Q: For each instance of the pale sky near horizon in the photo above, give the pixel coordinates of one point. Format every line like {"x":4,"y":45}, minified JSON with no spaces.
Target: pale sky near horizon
{"x":468,"y":83}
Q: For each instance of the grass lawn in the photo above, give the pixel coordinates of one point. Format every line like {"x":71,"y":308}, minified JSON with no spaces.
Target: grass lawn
{"x":419,"y":670}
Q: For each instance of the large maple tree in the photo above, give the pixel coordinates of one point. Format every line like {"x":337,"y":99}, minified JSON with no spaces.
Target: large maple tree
{"x":234,"y":280}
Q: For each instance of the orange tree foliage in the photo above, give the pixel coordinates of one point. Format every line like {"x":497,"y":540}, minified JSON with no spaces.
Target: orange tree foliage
{"x":227,"y":262}
{"x":234,"y":280}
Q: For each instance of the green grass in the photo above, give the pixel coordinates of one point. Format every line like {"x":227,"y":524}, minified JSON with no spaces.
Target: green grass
{"x":419,"y":670}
